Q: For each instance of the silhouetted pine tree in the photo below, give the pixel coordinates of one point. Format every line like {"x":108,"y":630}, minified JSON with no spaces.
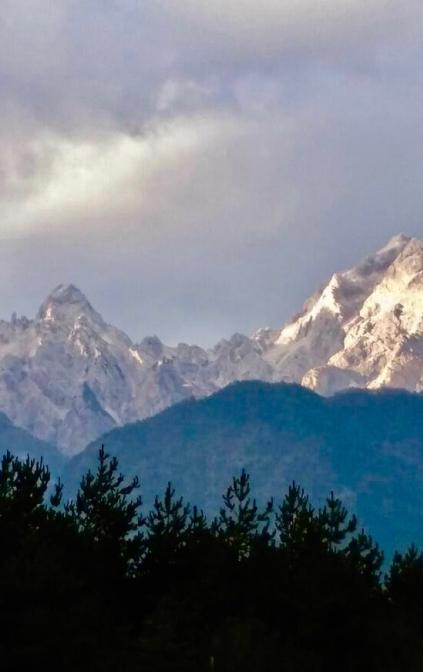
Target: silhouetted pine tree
{"x":240,"y":522}
{"x":23,"y":485}
{"x":83,"y":588}
{"x":365,"y":556}
{"x":299,"y":528}
{"x":167,"y":525}
{"x":105,"y":511}
{"x":404,"y":580}
{"x":336,"y":524}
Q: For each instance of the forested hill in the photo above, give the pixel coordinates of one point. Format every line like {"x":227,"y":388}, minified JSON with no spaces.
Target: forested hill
{"x":366,"y":446}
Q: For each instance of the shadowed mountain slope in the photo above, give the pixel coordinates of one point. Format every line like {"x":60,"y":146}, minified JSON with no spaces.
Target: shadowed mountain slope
{"x":366,"y":446}
{"x":21,"y":443}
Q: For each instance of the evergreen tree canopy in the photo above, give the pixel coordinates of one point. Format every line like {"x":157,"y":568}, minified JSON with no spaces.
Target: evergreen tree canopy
{"x":240,"y":522}
{"x":96,"y":586}
{"x":104,"y":509}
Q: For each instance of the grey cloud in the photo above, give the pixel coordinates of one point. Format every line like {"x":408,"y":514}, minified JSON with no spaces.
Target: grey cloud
{"x":111,"y":59}
{"x":199,"y":168}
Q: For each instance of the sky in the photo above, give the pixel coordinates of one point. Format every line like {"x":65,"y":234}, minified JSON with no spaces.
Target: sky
{"x":200,"y":167}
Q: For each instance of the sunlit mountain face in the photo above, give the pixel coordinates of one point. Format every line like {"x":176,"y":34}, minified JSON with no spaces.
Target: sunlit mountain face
{"x":67,"y":376}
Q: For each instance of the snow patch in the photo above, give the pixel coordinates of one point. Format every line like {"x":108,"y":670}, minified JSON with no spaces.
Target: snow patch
{"x":49,"y":317}
{"x":136,"y":355}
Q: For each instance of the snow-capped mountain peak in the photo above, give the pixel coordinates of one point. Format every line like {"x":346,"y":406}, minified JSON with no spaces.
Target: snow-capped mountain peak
{"x":376,"y":340}
{"x":67,"y":376}
{"x":346,"y":291}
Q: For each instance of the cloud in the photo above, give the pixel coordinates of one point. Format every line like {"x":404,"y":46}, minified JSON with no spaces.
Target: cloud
{"x":308,"y":28}
{"x":199,"y":167}
{"x":55,"y":181}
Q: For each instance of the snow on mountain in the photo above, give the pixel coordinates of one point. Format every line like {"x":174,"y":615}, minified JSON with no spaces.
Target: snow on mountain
{"x":384,"y":341}
{"x":316,"y":338}
{"x":67,"y":376}
{"x":318,"y":332}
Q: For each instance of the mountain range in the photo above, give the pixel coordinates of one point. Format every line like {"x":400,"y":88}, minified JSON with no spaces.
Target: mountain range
{"x":67,"y":376}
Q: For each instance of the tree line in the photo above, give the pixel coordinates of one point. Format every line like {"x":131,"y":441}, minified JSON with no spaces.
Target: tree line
{"x":97,"y":583}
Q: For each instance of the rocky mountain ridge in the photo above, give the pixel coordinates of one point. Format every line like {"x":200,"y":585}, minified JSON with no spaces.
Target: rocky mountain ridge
{"x":67,"y":376}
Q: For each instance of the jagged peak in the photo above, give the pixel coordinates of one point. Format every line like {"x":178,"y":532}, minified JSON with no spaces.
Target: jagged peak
{"x":380,"y":261}
{"x":151,"y":345}
{"x":67,"y":293}
{"x":65,"y":298}
{"x":346,"y":291}
{"x":397,"y":240}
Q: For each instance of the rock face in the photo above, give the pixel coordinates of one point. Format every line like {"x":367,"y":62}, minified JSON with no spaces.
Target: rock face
{"x":374,"y":325}
{"x":67,"y":376}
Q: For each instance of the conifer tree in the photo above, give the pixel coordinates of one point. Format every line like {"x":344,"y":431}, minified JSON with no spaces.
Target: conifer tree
{"x":335,"y":523}
{"x":197,"y":525}
{"x":23,"y":483}
{"x":106,"y":512}
{"x":404,"y":580}
{"x":240,"y":522}
{"x":365,"y":556}
{"x":167,"y":525}
{"x":296,"y":523}
{"x":23,"y":488}
{"x":340,"y":536}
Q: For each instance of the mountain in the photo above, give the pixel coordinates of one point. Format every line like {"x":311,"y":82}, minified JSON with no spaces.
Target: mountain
{"x":20,"y":443}
{"x":365,"y":328}
{"x":367,"y":446}
{"x":67,"y":376}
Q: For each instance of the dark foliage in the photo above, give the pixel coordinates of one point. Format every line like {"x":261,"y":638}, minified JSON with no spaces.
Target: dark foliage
{"x":93,"y":584}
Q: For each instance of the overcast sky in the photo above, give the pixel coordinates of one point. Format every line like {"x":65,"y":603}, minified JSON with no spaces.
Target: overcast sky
{"x":199,"y":167}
